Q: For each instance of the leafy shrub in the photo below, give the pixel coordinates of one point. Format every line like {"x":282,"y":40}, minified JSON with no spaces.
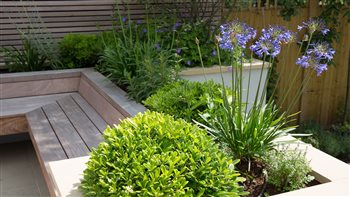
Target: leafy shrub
{"x":154,"y":155}
{"x":184,"y":99}
{"x":27,"y":59}
{"x":80,"y":50}
{"x":288,"y":169}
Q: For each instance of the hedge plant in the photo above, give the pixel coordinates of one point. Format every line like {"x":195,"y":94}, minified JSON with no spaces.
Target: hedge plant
{"x":184,"y":99}
{"x":80,"y":50}
{"x":153,"y":154}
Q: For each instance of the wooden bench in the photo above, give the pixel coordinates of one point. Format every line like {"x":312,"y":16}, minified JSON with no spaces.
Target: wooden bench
{"x":64,"y":112}
{"x":64,"y":129}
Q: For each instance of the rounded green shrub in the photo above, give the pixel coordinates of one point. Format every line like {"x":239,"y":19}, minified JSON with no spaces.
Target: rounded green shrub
{"x":153,"y":154}
{"x":184,"y":99}
{"x":80,"y":50}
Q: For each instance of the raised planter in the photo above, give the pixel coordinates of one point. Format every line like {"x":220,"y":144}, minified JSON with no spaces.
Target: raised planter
{"x":214,"y":73}
{"x":333,"y":174}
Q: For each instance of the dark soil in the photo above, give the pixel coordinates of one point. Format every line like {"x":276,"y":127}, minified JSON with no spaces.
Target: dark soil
{"x":256,"y":183}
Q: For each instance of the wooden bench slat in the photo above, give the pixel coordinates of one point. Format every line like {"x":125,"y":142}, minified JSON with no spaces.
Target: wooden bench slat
{"x":82,"y":124}
{"x":44,"y":137}
{"x":90,"y":112}
{"x":71,"y":142}
{"x":19,"y":106}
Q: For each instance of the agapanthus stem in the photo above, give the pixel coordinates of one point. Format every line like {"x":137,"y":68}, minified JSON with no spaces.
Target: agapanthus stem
{"x":297,"y":73}
{"x":299,"y":94}
{"x":259,"y":84}
{"x":249,"y":78}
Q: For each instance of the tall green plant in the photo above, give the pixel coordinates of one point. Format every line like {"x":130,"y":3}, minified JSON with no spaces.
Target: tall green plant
{"x":250,"y":133}
{"x":136,"y":58}
{"x":26,"y":59}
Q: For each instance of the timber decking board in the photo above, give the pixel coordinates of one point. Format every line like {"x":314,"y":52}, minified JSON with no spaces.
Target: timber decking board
{"x":19,"y":106}
{"x":48,"y":146}
{"x":71,"y":141}
{"x":90,"y":112}
{"x":82,"y":124}
{"x":13,"y":125}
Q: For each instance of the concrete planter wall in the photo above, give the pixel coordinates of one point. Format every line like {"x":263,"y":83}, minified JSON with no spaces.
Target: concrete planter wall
{"x":213,"y":73}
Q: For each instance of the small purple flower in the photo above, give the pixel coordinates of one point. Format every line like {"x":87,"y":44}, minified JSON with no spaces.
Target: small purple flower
{"x":158,"y":46}
{"x":235,"y":33}
{"x":189,"y":62}
{"x":317,"y":57}
{"x":313,"y":25}
{"x":178,"y":51}
{"x":144,"y":30}
{"x":123,"y":19}
{"x":176,"y":26}
{"x":213,"y":53}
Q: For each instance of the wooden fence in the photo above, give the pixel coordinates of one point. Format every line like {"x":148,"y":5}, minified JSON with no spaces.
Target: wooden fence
{"x":321,"y":100}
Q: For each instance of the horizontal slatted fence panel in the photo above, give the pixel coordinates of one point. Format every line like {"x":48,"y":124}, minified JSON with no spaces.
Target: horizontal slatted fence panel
{"x":76,"y":16}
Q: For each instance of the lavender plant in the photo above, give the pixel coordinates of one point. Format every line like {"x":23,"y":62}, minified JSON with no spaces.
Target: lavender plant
{"x":250,"y":133}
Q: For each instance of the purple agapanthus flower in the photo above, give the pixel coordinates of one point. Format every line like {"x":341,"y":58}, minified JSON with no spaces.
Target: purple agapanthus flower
{"x":270,"y":41}
{"x":266,"y":45}
{"x":235,"y":33}
{"x":213,"y":53}
{"x":144,"y":30}
{"x":189,"y":62}
{"x":317,"y":57}
{"x":313,"y":25}
{"x":321,"y":50}
{"x":279,"y":33}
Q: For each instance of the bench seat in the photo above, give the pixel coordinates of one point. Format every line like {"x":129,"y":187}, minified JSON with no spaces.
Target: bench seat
{"x":66,"y":128}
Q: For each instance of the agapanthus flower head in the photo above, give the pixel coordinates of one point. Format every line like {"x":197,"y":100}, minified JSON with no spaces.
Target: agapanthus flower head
{"x":189,"y":62}
{"x":317,"y":57}
{"x":213,"y":53}
{"x":313,"y":25}
{"x":266,"y":45}
{"x":321,"y":50}
{"x":271,"y":39}
{"x":235,"y":33}
{"x":279,"y":33}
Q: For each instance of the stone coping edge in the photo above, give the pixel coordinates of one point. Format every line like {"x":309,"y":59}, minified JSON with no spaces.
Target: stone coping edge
{"x":67,"y":174}
{"x":256,"y":64}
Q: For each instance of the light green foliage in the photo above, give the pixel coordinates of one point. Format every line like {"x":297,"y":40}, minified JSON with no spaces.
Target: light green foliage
{"x":80,"y":50}
{"x":154,"y":155}
{"x":288,"y":169}
{"x":184,"y":99}
{"x":23,"y":60}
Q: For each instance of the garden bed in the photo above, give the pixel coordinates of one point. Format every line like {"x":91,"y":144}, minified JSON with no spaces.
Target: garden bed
{"x":333,"y":174}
